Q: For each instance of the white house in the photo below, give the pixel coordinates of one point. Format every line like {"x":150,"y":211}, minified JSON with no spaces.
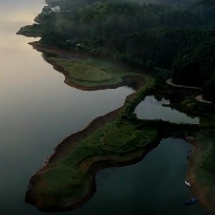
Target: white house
{"x":55,"y":9}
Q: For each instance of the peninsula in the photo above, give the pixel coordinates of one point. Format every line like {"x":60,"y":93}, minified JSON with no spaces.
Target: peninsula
{"x":103,"y":45}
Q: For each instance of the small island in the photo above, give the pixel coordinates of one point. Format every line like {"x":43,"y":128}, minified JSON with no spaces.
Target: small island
{"x":162,"y":59}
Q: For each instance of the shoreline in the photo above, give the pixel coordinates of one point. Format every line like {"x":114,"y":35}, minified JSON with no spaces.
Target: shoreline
{"x":137,"y":155}
{"x":71,"y":140}
{"x":101,"y":162}
{"x":125,"y":79}
{"x":92,"y":126}
{"x":107,"y":160}
{"x":69,"y":143}
{"x":197,"y":190}
{"x":62,"y":147}
{"x":74,"y":138}
{"x":28,"y":34}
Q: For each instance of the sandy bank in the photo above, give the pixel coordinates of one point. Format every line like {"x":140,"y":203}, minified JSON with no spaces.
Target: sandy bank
{"x":198,"y":190}
{"x":201,"y":99}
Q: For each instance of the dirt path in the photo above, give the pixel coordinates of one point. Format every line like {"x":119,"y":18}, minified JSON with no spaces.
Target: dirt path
{"x":169,"y":81}
{"x":198,"y":98}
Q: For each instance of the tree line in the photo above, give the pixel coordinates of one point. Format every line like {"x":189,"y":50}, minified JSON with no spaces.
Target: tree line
{"x":173,"y":37}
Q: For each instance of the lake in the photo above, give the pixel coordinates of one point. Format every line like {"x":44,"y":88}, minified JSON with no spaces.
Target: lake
{"x":38,"y":110}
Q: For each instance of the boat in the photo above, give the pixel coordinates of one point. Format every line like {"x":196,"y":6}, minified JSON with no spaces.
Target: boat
{"x":187,"y":183}
{"x":190,"y":201}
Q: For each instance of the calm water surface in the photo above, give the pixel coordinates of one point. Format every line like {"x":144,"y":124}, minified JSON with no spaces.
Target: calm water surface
{"x":38,"y":110}
{"x":151,"y":108}
{"x":154,"y":186}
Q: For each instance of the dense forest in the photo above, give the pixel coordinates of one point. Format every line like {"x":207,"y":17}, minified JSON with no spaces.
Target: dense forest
{"x":168,"y":34}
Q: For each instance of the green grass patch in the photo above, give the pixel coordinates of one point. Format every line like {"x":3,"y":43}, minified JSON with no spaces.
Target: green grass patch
{"x":85,"y":72}
{"x":120,"y":136}
{"x":60,"y":181}
{"x":93,"y":72}
{"x":64,"y":177}
{"x":116,"y":138}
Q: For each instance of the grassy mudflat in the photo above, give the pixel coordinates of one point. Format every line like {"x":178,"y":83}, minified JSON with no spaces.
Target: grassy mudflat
{"x":87,"y":73}
{"x":92,"y":72}
{"x":69,"y":175}
{"x":83,"y":71}
{"x":68,"y":179}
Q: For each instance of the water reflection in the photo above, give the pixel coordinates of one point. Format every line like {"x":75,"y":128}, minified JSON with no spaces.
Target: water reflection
{"x":151,"y":108}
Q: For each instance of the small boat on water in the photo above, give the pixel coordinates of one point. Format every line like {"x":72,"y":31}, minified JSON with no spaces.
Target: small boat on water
{"x":187,"y":183}
{"x":190,"y":201}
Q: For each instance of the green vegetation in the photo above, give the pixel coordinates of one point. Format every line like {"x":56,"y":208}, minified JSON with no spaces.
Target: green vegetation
{"x":122,"y":139}
{"x":34,"y":30}
{"x":92,"y":72}
{"x":172,"y":37}
{"x":61,"y":178}
{"x":134,"y":99}
{"x":83,"y":72}
{"x":167,"y":40}
{"x":185,"y":100}
{"x":117,"y":138}
{"x":121,"y":136}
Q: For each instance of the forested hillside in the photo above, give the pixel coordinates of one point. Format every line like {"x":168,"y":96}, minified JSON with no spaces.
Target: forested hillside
{"x":178,"y":37}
